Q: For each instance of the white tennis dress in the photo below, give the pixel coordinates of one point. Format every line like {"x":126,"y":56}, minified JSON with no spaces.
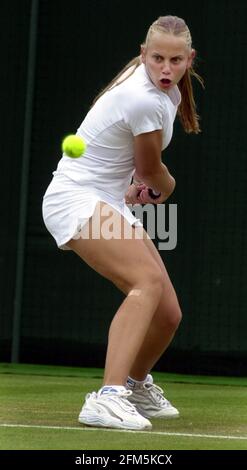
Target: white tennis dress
{"x":104,"y":172}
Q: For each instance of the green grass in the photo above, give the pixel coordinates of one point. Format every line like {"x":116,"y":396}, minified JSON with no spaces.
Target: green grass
{"x":52,"y":396}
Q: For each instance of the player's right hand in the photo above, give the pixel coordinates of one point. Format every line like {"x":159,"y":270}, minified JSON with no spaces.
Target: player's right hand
{"x":144,"y":197}
{"x":131,"y":197}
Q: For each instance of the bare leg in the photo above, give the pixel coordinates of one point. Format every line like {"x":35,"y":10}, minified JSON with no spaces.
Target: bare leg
{"x":127,"y":331}
{"x":163,"y":326}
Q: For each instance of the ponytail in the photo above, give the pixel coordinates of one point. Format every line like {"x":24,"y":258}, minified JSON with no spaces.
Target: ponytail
{"x":121,"y":76}
{"x":187,"y":108}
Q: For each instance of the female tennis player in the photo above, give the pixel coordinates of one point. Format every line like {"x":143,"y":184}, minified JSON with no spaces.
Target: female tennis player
{"x":126,"y":129}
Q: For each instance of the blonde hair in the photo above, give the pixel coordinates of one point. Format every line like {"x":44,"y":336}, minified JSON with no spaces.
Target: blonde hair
{"x":187,"y":108}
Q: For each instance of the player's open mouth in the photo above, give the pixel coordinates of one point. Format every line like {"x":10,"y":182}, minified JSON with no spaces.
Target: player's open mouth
{"x":165,"y":82}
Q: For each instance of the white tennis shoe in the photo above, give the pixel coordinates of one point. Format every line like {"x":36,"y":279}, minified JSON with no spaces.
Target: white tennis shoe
{"x":112,"y":409}
{"x":149,"y":400}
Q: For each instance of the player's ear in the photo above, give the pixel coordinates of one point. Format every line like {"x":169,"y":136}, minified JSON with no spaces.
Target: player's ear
{"x":143,"y":53}
{"x":191,"y":58}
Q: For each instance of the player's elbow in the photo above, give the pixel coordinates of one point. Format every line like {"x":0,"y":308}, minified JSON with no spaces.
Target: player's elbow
{"x":172,"y":184}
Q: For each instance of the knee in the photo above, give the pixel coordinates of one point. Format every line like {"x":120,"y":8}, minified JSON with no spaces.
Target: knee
{"x":170,"y":318}
{"x":149,"y":281}
{"x":154,"y":282}
{"x":173,"y":317}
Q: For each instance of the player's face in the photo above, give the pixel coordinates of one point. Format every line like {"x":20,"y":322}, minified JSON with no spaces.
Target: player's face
{"x":166,"y":57}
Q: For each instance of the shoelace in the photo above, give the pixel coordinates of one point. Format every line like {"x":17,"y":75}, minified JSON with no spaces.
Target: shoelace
{"x":123,"y":395}
{"x":156,"y":392}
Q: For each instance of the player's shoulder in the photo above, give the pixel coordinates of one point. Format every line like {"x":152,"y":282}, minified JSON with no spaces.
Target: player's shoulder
{"x":141,"y":99}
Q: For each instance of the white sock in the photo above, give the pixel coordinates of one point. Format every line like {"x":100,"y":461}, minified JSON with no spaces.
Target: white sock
{"x":132,"y":383}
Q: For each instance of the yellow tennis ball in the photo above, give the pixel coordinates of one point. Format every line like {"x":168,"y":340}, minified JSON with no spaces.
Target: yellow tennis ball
{"x":74,"y":146}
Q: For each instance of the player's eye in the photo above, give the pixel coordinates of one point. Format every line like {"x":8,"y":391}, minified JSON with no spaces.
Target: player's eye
{"x":157,"y":58}
{"x":176,"y":60}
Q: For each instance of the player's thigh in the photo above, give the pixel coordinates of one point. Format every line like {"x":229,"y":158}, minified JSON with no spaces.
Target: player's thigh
{"x":126,"y":261}
{"x":167,"y":284}
{"x":168,"y":308}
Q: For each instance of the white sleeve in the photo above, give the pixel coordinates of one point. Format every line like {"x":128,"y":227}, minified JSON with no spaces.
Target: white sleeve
{"x":144,"y":114}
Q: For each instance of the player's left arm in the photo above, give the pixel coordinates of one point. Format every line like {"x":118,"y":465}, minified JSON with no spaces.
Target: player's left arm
{"x":148,"y":164}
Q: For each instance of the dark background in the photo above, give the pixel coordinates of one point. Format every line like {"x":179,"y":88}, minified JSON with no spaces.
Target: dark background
{"x":65,"y":307}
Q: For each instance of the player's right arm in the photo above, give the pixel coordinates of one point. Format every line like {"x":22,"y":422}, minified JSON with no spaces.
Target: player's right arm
{"x":149,"y":167}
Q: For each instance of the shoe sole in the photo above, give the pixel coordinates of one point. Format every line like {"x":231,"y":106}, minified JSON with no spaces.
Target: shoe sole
{"x":159,"y":416}
{"x":92,"y":419}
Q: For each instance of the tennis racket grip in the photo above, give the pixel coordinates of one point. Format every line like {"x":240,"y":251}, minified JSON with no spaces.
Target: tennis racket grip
{"x":153,"y":194}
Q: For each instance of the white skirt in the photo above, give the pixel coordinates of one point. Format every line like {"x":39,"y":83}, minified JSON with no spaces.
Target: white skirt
{"x":67,"y":207}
